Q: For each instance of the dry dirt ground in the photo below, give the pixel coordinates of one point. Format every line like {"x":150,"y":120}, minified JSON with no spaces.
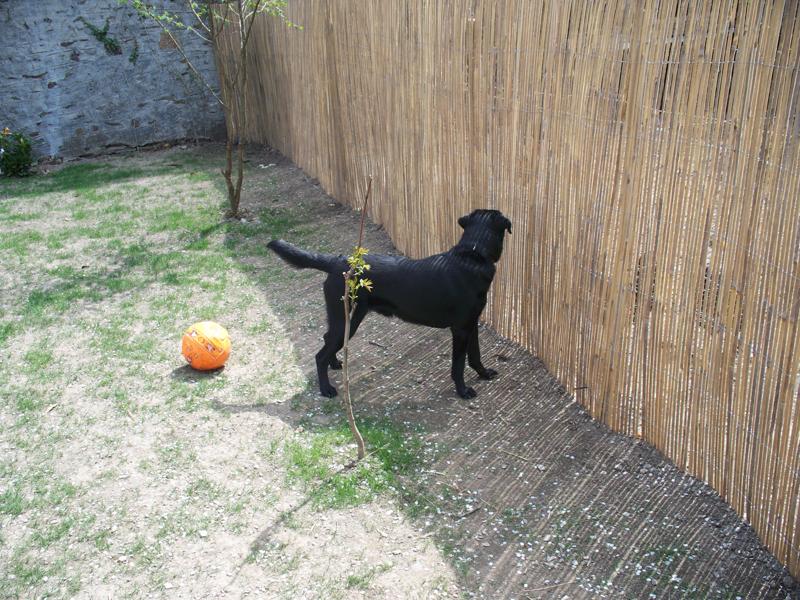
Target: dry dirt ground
{"x":125,"y":474}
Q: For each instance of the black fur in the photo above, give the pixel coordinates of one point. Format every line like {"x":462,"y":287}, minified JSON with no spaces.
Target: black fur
{"x":444,"y":290}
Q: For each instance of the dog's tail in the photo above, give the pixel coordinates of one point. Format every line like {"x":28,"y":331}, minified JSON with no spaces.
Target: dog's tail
{"x":302,"y":259}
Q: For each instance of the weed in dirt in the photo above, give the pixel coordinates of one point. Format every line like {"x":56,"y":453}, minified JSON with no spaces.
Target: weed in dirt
{"x":24,"y":572}
{"x":330,"y":406}
{"x":192,"y":394}
{"x":37,"y":359}
{"x":260,"y":327}
{"x":26,"y":400}
{"x":121,"y":400}
{"x":204,"y":489}
{"x":271,"y":448}
{"x":115,"y":339}
{"x":188,"y":520}
{"x":364,"y":579}
{"x":175,"y":457}
{"x":143,"y":552}
{"x":12,"y":502}
{"x":100,"y":539}
{"x":6,"y":331}
{"x":53,"y":533}
{"x":56,"y":240}
{"x":80,"y":214}
{"x":109,"y":229}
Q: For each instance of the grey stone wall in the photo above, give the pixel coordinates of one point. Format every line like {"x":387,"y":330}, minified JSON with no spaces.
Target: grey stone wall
{"x":61,"y":86}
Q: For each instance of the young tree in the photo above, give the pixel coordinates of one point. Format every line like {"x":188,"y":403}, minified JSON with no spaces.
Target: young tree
{"x":211,"y":20}
{"x":354,"y":281}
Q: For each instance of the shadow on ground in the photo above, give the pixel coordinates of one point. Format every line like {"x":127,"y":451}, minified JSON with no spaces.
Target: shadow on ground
{"x":527,"y":494}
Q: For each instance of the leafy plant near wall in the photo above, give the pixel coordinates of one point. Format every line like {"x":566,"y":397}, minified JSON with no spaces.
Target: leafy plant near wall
{"x":134,"y":53}
{"x":210,"y":21}
{"x":101,"y":35}
{"x":16,"y":154}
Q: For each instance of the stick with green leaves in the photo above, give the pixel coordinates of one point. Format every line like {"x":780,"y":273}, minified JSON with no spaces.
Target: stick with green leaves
{"x":354,"y":281}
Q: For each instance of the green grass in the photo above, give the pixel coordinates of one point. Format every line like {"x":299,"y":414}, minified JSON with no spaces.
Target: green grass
{"x":119,"y":269}
{"x":5,"y":217}
{"x":116,"y":339}
{"x":84,"y":177}
{"x":195,"y":221}
{"x":321,"y":462}
{"x":19,"y":243}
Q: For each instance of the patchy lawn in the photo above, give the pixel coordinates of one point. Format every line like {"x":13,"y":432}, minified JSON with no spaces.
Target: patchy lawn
{"x":123,"y":473}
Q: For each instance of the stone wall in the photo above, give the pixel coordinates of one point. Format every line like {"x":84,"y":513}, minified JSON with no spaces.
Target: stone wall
{"x":74,"y":95}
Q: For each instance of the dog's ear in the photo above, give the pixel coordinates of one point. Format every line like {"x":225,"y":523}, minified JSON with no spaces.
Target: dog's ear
{"x":508,"y":226}
{"x":464,"y":221}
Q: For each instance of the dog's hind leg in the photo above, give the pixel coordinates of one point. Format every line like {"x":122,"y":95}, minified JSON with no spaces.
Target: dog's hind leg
{"x":333,"y":288}
{"x":323,"y":359}
{"x":334,"y":340}
{"x":461,"y":339}
{"x":474,"y":357}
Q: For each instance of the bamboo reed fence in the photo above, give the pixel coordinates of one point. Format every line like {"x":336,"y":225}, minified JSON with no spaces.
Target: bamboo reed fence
{"x":647,"y":155}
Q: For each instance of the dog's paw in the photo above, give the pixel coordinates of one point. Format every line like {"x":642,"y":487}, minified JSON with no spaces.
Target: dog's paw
{"x":467,"y":393}
{"x":335,"y":364}
{"x":487,"y":374}
{"x":328,"y":391}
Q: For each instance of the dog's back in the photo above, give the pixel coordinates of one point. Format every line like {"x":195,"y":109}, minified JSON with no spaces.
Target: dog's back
{"x":435,"y":291}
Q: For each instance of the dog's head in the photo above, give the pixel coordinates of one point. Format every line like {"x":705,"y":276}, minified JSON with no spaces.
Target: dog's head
{"x":485,"y":229}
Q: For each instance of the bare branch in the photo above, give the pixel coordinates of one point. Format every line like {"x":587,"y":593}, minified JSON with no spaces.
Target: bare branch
{"x":203,"y":24}
{"x":198,"y":34}
{"x":189,"y":63}
{"x":252,"y":17}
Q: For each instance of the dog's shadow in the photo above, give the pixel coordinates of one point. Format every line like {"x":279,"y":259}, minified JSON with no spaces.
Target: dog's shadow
{"x":280,"y":410}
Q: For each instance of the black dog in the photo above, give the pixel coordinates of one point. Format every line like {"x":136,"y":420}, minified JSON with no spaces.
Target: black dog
{"x":444,"y":290}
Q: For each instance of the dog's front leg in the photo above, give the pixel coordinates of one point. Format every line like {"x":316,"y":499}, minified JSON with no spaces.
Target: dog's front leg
{"x":460,"y":342}
{"x":474,"y":356}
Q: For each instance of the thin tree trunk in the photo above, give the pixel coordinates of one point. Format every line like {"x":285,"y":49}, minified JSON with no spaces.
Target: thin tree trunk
{"x":348,"y":404}
{"x":229,"y":102}
{"x":241,"y":123}
{"x":227,"y":174}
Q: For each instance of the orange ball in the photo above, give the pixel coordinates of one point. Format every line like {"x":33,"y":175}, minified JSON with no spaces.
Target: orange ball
{"x":206,"y":345}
